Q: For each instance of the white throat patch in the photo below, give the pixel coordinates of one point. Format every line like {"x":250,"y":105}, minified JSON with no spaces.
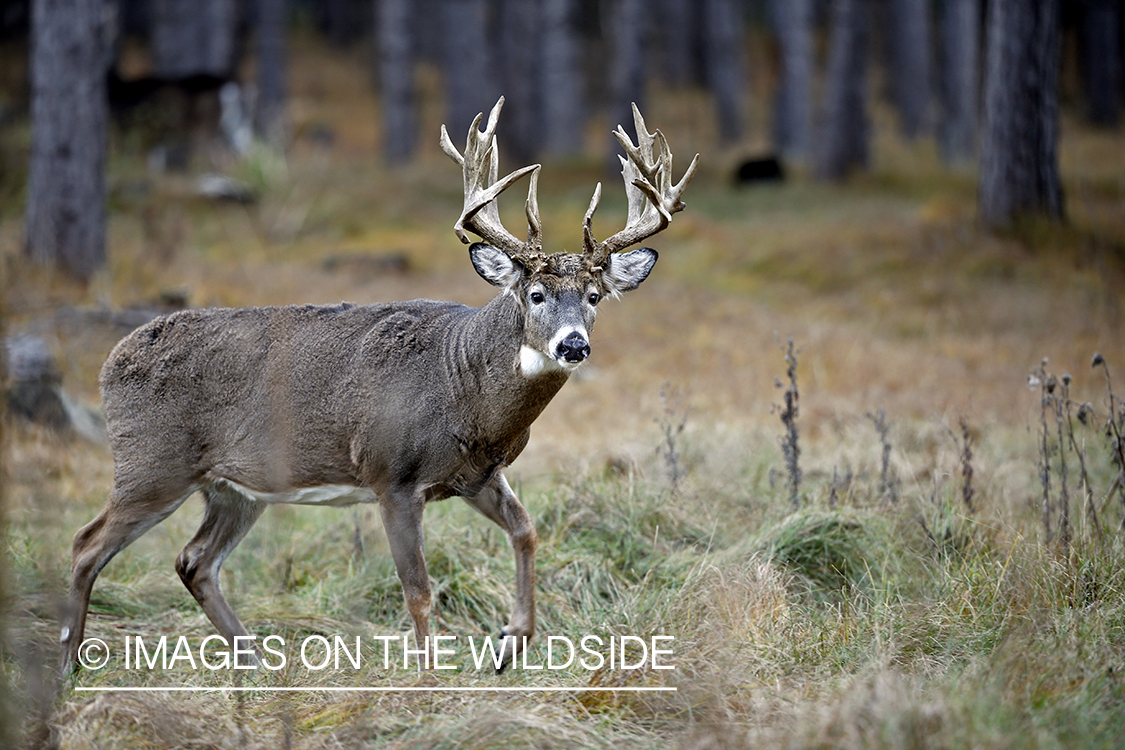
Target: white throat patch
{"x":534,"y":363}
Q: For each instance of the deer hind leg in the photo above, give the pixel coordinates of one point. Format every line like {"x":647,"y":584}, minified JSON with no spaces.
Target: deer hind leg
{"x":125,"y":518}
{"x":498,"y":503}
{"x":402,"y":522}
{"x":227,"y":518}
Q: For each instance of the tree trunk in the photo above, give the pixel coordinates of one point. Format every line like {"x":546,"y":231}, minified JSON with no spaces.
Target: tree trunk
{"x":960,"y":77}
{"x":469,"y":84}
{"x":66,"y":217}
{"x":564,"y":114}
{"x":722,"y":45}
{"x":793,"y":21}
{"x":910,"y":73}
{"x":396,"y":55}
{"x":627,"y":68}
{"x":194,"y":37}
{"x":271,"y":122}
{"x":520,"y":61}
{"x":1019,"y":159}
{"x":678,"y":41}
{"x":844,"y":129}
{"x":343,"y":21}
{"x":1101,"y":61}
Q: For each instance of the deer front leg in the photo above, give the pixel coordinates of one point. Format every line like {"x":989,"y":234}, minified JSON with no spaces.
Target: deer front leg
{"x":497,"y":502}
{"x":402,"y":522}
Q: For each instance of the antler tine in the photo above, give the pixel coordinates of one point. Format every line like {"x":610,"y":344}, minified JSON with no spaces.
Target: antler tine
{"x":589,"y":243}
{"x":651,"y":194}
{"x":480,"y":214}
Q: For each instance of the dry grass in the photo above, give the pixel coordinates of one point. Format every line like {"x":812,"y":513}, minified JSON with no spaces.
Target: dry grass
{"x":866,"y":624}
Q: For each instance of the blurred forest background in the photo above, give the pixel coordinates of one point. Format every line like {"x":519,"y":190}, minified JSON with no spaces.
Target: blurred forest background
{"x":806,"y":446}
{"x":982,"y":78}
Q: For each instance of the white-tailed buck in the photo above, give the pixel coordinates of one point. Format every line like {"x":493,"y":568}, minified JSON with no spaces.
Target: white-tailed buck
{"x":399,"y":403}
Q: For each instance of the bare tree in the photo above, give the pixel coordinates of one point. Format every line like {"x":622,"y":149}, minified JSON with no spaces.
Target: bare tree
{"x":520,"y":74}
{"x":678,"y":41}
{"x":66,"y":218}
{"x":194,"y":37}
{"x":793,"y":22}
{"x":1101,"y":60}
{"x":627,"y":65}
{"x":564,"y":113}
{"x":1019,"y":171}
{"x":470,"y":86}
{"x":270,"y":117}
{"x":960,"y":37}
{"x":910,"y":71}
{"x":722,"y":50}
{"x":844,"y":129}
{"x":343,"y":21}
{"x":396,"y":74}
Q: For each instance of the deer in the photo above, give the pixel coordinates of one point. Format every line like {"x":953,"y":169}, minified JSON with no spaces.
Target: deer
{"x":399,"y":404}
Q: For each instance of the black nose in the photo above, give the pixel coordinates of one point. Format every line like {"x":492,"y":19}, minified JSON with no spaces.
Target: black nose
{"x":574,"y":348}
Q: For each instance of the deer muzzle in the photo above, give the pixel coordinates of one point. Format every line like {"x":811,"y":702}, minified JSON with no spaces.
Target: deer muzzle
{"x":574,"y":348}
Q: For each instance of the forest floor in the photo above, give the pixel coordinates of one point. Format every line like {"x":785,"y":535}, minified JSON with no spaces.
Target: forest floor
{"x":886,"y":612}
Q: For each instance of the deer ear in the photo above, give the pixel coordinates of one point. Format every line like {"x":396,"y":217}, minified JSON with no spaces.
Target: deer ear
{"x":624,"y":272}
{"x":495,"y":266}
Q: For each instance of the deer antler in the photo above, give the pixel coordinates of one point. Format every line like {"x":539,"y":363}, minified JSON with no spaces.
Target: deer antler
{"x":480,"y":214}
{"x":648,"y":186}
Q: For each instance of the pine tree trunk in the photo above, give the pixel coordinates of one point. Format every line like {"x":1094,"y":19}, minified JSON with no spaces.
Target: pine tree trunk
{"x":66,"y":215}
{"x":1019,"y":144}
{"x":627,"y":69}
{"x":960,"y":77}
{"x":722,"y":37}
{"x":193,"y":37}
{"x":469,"y":84}
{"x":271,"y":122}
{"x":793,"y":21}
{"x":1101,"y":61}
{"x":564,"y":113}
{"x":396,"y":74}
{"x":520,"y":62}
{"x":910,"y":73}
{"x":844,"y":129}
{"x":677,"y":32}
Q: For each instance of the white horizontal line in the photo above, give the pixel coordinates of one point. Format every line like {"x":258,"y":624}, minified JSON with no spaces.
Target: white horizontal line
{"x":407,"y":689}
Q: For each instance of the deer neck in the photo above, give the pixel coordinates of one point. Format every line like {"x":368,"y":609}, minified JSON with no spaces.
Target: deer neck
{"x":488,"y":350}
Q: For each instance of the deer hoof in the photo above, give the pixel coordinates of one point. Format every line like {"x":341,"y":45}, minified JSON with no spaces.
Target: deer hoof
{"x":508,"y":655}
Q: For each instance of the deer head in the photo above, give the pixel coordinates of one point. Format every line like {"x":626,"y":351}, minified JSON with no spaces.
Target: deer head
{"x":558,"y":293}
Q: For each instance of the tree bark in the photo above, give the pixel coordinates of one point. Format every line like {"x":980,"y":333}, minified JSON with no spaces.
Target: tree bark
{"x":520,"y":71}
{"x":960,"y":76}
{"x":844,"y":129}
{"x":396,"y":55}
{"x":194,"y":37}
{"x":678,"y":41}
{"x":270,"y":119}
{"x":722,"y":30}
{"x":910,"y":45}
{"x":1101,"y":61}
{"x":627,"y":68}
{"x":66,"y":216}
{"x":1019,"y":146}
{"x":793,"y":21}
{"x":564,"y":113}
{"x":470,"y":86}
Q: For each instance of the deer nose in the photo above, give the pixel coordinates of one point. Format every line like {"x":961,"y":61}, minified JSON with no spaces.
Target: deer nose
{"x":574,"y":348}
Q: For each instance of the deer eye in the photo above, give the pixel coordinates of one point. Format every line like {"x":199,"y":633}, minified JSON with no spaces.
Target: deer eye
{"x":594,"y":298}
{"x":537,"y":298}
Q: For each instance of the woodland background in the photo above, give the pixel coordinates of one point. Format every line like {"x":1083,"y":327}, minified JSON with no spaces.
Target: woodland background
{"x":874,"y":536}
